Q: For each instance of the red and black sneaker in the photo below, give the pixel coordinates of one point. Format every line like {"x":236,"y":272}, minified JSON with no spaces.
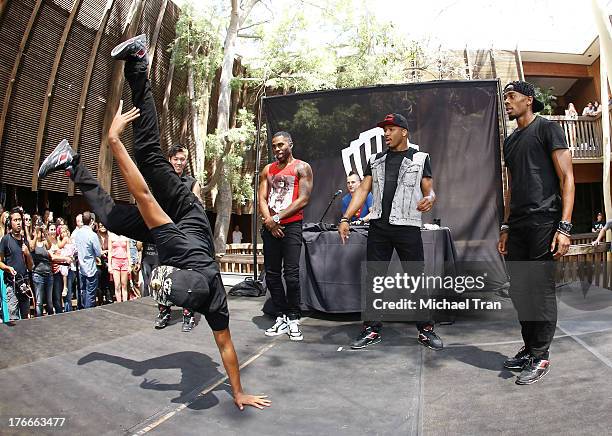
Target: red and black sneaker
{"x":133,"y":48}
{"x":63,"y":157}
{"x":365,"y":338}
{"x":163,"y":318}
{"x":428,"y":338}
{"x":533,"y":371}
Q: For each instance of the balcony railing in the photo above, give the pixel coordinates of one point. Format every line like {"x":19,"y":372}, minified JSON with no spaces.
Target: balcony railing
{"x":583,"y":134}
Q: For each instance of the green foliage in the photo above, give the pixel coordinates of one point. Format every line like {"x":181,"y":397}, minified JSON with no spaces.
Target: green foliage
{"x":198,"y":45}
{"x":352,"y":48}
{"x":181,"y":102}
{"x":547,"y":97}
{"x":241,"y":140}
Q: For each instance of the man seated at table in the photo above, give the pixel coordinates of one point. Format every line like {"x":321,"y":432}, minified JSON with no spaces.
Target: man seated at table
{"x":353,"y":180}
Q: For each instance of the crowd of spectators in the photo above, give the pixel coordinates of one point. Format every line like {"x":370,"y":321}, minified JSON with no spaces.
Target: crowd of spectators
{"x":48,"y":266}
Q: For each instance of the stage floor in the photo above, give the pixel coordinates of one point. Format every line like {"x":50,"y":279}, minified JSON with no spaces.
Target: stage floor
{"x":107,"y":371}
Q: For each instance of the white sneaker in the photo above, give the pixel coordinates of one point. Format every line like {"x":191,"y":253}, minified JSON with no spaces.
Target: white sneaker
{"x":279,"y":327}
{"x":295,"y":334}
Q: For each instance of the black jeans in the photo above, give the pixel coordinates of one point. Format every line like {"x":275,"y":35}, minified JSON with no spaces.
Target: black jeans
{"x":408,"y":243}
{"x":284,"y":254}
{"x":532,"y":286}
{"x":168,"y":189}
{"x":148,"y":264}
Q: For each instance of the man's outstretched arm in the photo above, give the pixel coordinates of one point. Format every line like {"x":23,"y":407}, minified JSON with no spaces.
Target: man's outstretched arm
{"x":151,"y":211}
{"x":359,"y":198}
{"x":230,"y":362}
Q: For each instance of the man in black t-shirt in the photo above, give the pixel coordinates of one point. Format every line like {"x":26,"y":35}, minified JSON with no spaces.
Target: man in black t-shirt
{"x":537,"y":224}
{"x":168,"y":213}
{"x":15,"y":262}
{"x":400,"y":180}
{"x":177,"y":156}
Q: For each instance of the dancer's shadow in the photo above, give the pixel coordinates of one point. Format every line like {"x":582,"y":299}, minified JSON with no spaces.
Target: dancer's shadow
{"x":489,"y":360}
{"x":197,"y":371}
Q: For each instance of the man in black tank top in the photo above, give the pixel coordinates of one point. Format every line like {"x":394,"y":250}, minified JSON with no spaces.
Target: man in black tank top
{"x":280,"y":207}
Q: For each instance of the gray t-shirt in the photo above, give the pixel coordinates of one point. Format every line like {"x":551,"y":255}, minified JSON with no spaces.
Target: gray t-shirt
{"x":42,"y":263}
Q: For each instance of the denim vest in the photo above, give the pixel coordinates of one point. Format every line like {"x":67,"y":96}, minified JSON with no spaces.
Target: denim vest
{"x":407,"y":194}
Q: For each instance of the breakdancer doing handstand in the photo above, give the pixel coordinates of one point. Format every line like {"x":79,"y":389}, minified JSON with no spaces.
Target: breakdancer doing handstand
{"x":170,"y":216}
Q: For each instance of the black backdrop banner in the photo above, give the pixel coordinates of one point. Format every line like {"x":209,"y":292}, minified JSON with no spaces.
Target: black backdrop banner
{"x":456,"y":122}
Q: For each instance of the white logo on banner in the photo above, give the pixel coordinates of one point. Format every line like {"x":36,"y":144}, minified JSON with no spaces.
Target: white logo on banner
{"x":364,"y":142}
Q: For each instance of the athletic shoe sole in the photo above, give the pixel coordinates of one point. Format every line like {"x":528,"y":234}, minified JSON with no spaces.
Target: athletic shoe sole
{"x":117,"y":52}
{"x":278,"y":333}
{"x":296,"y":338}
{"x":535,"y":380}
{"x":515,"y":368}
{"x":58,"y":156}
{"x":359,"y":347}
{"x":161,"y":326}
{"x":426,"y":344}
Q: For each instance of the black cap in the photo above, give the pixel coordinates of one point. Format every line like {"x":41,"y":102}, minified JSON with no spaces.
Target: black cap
{"x":526,"y":89}
{"x":395,"y":120}
{"x":183,"y":287}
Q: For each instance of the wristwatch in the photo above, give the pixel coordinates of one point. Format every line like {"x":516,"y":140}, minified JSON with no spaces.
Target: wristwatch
{"x":276,"y":218}
{"x":504,"y":228}
{"x":344,"y":220}
{"x":565,"y":227}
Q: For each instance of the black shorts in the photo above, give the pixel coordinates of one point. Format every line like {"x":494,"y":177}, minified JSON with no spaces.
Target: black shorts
{"x":187,"y":248}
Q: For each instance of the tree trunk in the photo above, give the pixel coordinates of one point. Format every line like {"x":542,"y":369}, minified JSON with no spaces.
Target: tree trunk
{"x":200,"y":129}
{"x":224,"y":195}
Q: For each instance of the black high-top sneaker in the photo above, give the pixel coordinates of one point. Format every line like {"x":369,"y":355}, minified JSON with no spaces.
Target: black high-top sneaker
{"x":63,"y":157}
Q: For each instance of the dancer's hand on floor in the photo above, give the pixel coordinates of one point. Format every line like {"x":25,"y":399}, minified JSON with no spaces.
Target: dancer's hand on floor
{"x":258,"y":401}
{"x":121,"y":120}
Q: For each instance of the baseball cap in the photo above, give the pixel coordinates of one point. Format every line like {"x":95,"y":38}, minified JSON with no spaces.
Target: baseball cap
{"x":394,"y":119}
{"x":183,"y":287}
{"x":526,"y":89}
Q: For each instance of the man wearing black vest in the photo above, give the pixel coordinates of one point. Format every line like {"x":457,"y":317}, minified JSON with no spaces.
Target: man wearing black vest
{"x":537,"y":224}
{"x":400,"y":179}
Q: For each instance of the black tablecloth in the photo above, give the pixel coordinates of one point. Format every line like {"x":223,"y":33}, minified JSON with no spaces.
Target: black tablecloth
{"x":330,"y":273}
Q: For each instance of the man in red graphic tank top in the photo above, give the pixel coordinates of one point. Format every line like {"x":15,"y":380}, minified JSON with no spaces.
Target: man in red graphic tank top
{"x":284,"y":191}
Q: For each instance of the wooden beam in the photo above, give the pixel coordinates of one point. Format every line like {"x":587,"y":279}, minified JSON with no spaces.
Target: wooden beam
{"x":42,"y":122}
{"x":105,"y":159}
{"x":154,"y":39}
{"x":9,"y":89}
{"x":86,"y":81}
{"x":552,"y":69}
{"x":164,"y":114}
{"x":3,"y":5}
